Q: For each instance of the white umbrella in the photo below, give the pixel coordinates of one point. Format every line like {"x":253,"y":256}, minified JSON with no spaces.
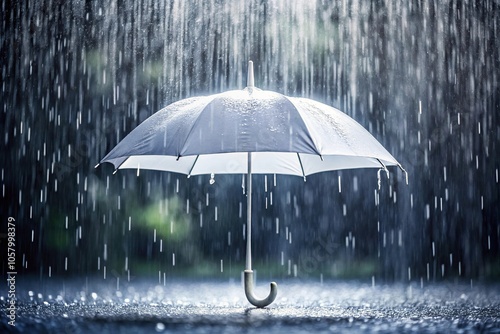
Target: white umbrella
{"x":249,"y":131}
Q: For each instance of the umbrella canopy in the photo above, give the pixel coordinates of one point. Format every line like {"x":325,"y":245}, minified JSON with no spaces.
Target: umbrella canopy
{"x":249,"y":131}
{"x":212,"y":134}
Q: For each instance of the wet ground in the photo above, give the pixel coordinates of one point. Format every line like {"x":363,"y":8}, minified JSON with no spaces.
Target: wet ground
{"x":97,"y":306}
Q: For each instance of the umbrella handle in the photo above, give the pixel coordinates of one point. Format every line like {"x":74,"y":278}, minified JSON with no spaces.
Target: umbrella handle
{"x":251,"y":297}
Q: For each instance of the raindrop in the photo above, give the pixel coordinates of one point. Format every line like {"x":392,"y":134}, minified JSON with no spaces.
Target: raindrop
{"x":229,"y":238}
{"x":277,"y":225}
{"x":340,"y":186}
{"x":216,"y":213}
{"x":161,"y":245}
{"x":160,"y":327}
{"x":221,"y":265}
{"x":173,"y":259}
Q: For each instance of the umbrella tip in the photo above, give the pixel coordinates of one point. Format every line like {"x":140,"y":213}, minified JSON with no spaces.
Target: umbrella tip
{"x":250,"y":81}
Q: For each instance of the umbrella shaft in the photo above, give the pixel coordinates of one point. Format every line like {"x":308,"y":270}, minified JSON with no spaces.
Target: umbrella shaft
{"x":249,"y":213}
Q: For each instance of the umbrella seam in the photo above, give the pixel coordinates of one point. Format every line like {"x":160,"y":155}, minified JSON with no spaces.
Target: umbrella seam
{"x":193,"y":126}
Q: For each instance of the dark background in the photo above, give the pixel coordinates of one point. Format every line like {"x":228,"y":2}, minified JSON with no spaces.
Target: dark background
{"x":422,"y":76}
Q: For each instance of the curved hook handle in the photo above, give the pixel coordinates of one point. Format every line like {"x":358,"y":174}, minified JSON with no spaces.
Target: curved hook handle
{"x":251,"y":297}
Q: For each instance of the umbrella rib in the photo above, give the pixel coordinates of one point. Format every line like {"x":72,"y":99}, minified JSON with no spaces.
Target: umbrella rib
{"x":192,"y":167}
{"x":404,"y":171}
{"x":301,"y":167}
{"x":193,"y":125}
{"x":383,"y":168}
{"x":120,"y":165}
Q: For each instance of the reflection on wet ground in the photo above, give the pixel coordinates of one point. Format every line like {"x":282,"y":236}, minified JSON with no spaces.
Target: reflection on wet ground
{"x":96,"y":305}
